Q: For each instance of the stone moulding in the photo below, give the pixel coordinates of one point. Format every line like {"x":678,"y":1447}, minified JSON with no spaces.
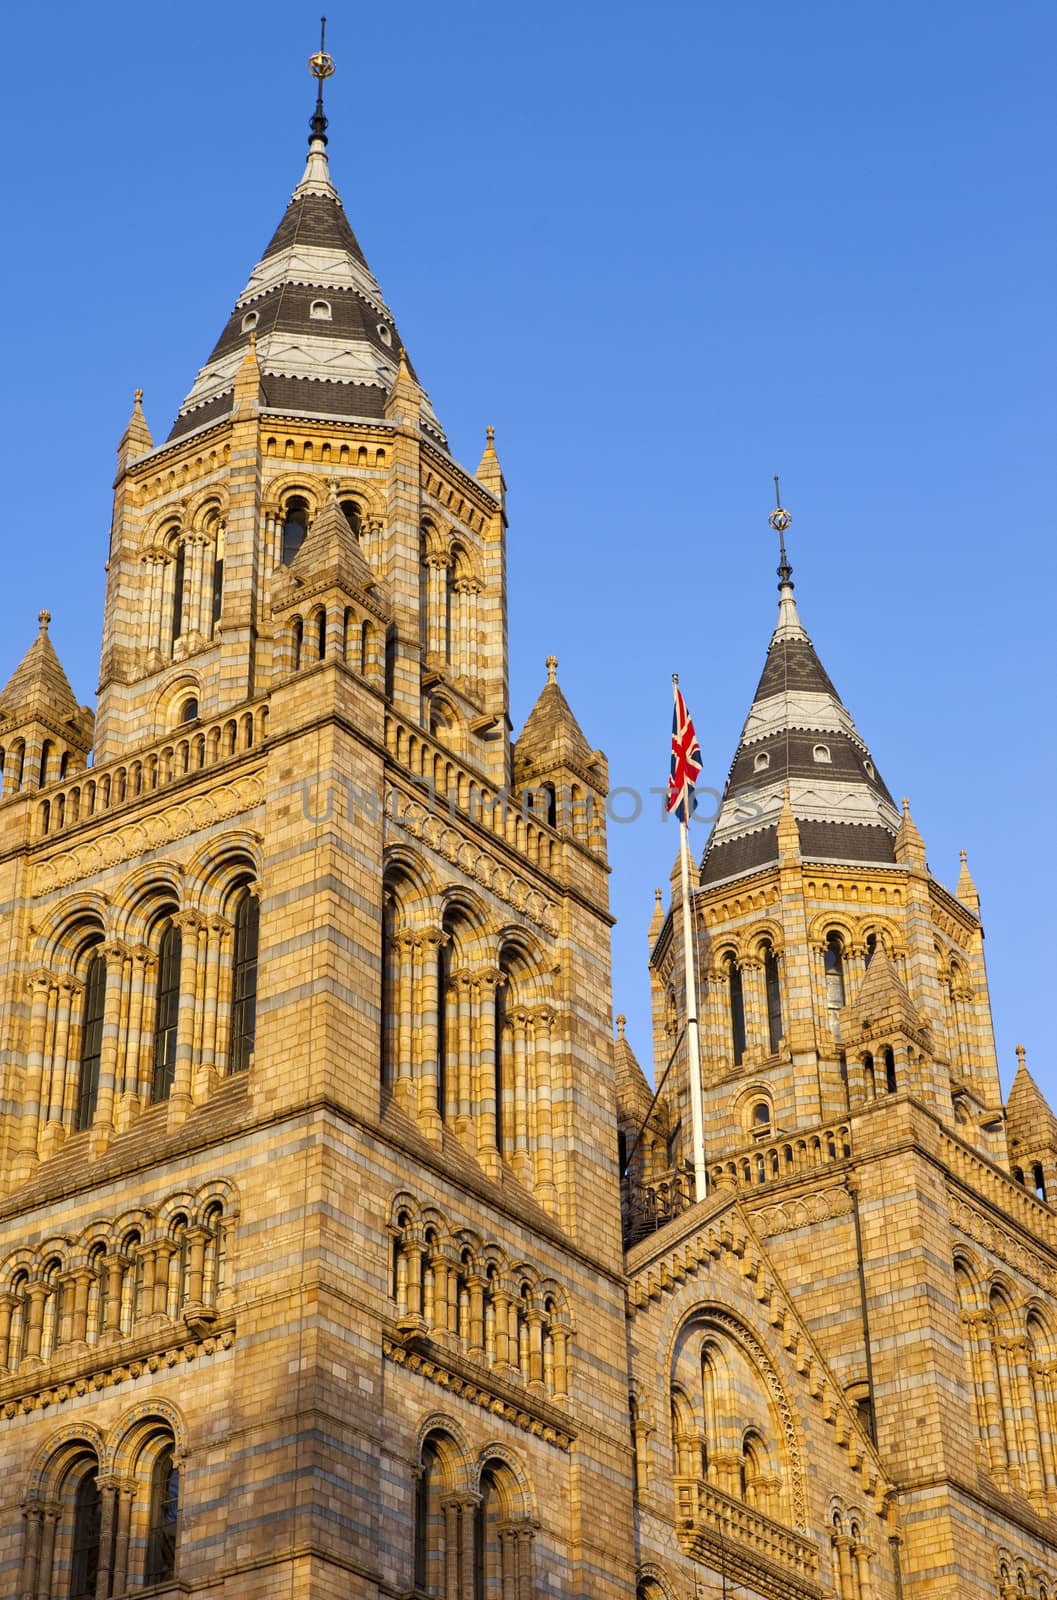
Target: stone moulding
{"x":983,"y":1232}
{"x":137,"y":838}
{"x":440,"y":1368}
{"x":145,"y":1358}
{"x":444,"y":840}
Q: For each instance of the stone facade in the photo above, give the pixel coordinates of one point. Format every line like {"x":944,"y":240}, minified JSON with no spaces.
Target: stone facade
{"x":318,"y":1273}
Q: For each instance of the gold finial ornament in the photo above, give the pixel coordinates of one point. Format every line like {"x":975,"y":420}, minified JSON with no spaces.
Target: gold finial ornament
{"x":552,"y":669}
{"x":321,"y":65}
{"x":43,"y":617}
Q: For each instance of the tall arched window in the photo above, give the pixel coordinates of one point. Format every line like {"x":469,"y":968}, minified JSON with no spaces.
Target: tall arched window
{"x":502,"y":1064}
{"x":833,"y":963}
{"x":160,"y":1564}
{"x":737,"y":1010}
{"x":179,"y":568}
{"x":353,"y":516}
{"x":773,"y":985}
{"x":295,"y":528}
{"x":84,"y":1550}
{"x":91,"y":1040}
{"x":390,"y":662}
{"x":218,"y":578}
{"x":890,"y":1070}
{"x":46,"y":750}
{"x":167,"y":1013}
{"x":443,"y":984}
{"x":244,"y":982}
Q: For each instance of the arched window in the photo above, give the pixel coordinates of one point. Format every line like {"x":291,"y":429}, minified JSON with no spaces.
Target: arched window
{"x":91,"y":1040}
{"x":295,"y":528}
{"x":761,"y":761}
{"x":773,"y":985}
{"x":188,"y":709}
{"x":299,"y":642}
{"x":167,"y":1013}
{"x":244,"y":982}
{"x":390,"y":662}
{"x":160,"y":1564}
{"x":87,"y":1524}
{"x":443,"y":985}
{"x":833,"y":963}
{"x":503,"y":1087}
{"x":890,"y":1070}
{"x":737,"y":1010}
{"x":321,"y":635}
{"x":45,"y":761}
{"x":179,"y":567}
{"x":353,"y":516}
{"x":761,"y":1117}
{"x":218,"y":578}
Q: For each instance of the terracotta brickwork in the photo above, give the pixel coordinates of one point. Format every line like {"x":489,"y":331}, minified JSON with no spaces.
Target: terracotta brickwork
{"x":317,"y":1273}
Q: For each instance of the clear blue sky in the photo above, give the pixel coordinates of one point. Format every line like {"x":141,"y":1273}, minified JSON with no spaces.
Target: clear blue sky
{"x":667,"y":252}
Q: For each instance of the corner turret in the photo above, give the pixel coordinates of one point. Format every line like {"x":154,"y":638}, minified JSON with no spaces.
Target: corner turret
{"x":44,"y":733}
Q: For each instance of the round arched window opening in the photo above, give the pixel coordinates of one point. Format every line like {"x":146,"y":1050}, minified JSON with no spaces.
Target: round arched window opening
{"x":320,"y":311}
{"x":249,"y":322}
{"x":188,"y":709}
{"x":761,"y":761}
{"x":295,"y":528}
{"x":385,"y":333}
{"x":821,"y":753}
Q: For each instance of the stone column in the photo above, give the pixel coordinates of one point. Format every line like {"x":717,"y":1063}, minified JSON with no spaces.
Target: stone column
{"x":33,"y":1521}
{"x":404,"y":953}
{"x":109,"y":1489}
{"x":40,"y":986}
{"x":197,"y":1239}
{"x":526,"y":1589}
{"x":486,"y":1108}
{"x":842,"y":1545}
{"x":543,"y":1019}
{"x":7,"y":1306}
{"x":82,"y":1279}
{"x":128,"y":1089}
{"x":52,"y":1513}
{"x":103,"y":1122}
{"x":148,"y":1016}
{"x":463,"y":987}
{"x":466,"y":1540}
{"x":476,"y":1287}
{"x":1021,"y":1374}
{"x":52,"y":1108}
{"x":451,"y":1509}
{"x":218,"y":954}
{"x":754,"y":1000}
{"x":190,"y":925}
{"x":534,"y":1318}
{"x":37,"y":1294}
{"x":520,"y":1159}
{"x":429,"y":1108}
{"x":124,"y":1496}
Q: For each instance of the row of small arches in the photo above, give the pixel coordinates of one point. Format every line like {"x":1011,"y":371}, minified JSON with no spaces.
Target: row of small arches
{"x":180,"y":758}
{"x":344,"y":455}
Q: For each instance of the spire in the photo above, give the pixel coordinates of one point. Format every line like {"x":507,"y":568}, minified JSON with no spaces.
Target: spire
{"x":404,"y":401}
{"x":38,"y":683}
{"x":789,"y":624}
{"x":882,"y":1003}
{"x":967,"y":891}
{"x":788,"y":832}
{"x":657,"y":919}
{"x":136,"y":439}
{"x":801,"y":751}
{"x":551,"y":734}
{"x":1030,"y":1123}
{"x":326,"y":342}
{"x":331,"y":556}
{"x":490,"y":473}
{"x":909,"y":845}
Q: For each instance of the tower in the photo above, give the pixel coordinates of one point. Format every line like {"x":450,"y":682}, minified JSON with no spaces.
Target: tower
{"x":899,"y":1267}
{"x":310,"y":1256}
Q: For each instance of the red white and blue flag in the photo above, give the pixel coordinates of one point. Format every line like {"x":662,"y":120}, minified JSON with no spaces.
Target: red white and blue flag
{"x":686,"y":762}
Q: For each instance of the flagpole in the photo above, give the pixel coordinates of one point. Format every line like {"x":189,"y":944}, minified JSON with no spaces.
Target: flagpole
{"x":693,"y":1040}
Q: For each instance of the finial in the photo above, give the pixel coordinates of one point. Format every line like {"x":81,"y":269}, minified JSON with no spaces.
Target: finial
{"x":621,"y":1023}
{"x":489,"y":434}
{"x":963,"y":856}
{"x":780,"y":520}
{"x":657,"y":896}
{"x":321,"y":66}
{"x":137,"y":397}
{"x":1022,"y":1055}
{"x":906,"y":806}
{"x":43,"y":617}
{"x":552,"y":669}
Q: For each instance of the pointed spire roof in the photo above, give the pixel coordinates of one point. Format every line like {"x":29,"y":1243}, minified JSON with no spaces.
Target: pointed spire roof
{"x":136,"y":439}
{"x":1029,"y":1121}
{"x":489,"y":472}
{"x":327,"y":343}
{"x":882,"y":1001}
{"x":967,"y":892}
{"x":331,"y":554}
{"x":634,"y":1095}
{"x":799,"y":738}
{"x":552,"y":737}
{"x":38,"y":684}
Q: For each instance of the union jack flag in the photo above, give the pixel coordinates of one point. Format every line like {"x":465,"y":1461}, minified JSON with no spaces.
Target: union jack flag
{"x":686,"y":762}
